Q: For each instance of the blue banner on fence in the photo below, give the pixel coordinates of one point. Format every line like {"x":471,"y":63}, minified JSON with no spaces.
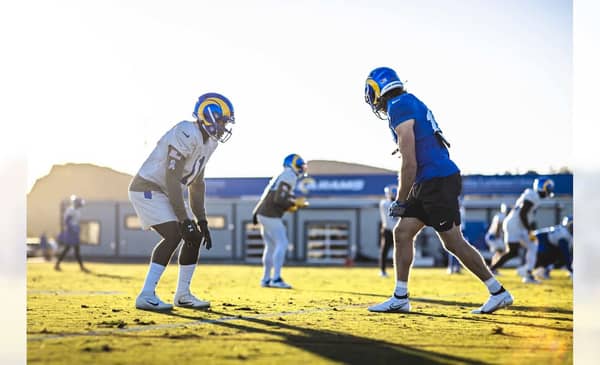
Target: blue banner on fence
{"x":364,"y":185}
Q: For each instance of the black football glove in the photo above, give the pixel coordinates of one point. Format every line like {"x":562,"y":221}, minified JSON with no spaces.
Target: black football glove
{"x":397,"y":209}
{"x":190,"y":232}
{"x":206,"y":240}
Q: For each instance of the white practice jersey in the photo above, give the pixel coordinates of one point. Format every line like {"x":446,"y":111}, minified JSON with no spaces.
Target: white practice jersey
{"x":557,"y":233}
{"x":384,"y":210}
{"x":72,"y":216}
{"x":186,"y":138}
{"x":267,"y":205}
{"x":513,"y":219}
{"x":497,"y":224}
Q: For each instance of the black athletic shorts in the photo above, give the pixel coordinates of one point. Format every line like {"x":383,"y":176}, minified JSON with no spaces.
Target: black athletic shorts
{"x":435,"y":202}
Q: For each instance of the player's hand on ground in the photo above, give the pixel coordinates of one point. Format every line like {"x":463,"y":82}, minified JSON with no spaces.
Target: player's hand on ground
{"x":206,"y":239}
{"x":397,"y":209}
{"x":190,"y":232}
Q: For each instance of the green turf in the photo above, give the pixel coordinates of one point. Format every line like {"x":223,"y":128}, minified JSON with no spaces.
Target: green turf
{"x":77,"y":318}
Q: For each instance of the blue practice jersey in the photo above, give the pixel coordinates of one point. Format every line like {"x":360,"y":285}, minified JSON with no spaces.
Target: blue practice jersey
{"x":433,"y":159}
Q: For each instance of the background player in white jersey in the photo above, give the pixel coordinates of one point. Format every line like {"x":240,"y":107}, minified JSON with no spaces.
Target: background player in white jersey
{"x":277,"y":199}
{"x":157,"y":193}
{"x":555,"y":247}
{"x":519,"y":227}
{"x":494,"y":237}
{"x":69,"y":234}
{"x":387,"y":227}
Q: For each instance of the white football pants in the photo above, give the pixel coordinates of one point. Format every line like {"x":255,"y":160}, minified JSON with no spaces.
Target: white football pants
{"x":276,"y":243}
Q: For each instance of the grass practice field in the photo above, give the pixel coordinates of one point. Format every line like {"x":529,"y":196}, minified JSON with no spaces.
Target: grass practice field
{"x":78,"y":318}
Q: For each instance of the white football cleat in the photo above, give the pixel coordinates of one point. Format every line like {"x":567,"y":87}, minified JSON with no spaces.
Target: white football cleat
{"x":188,"y":300}
{"x":383,"y":274}
{"x":150,"y":301}
{"x":265,"y":283}
{"x":494,"y":303}
{"x":279,"y":283}
{"x":392,"y":305}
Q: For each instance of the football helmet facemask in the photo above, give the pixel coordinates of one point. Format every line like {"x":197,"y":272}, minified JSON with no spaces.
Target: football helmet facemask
{"x":214,"y":112}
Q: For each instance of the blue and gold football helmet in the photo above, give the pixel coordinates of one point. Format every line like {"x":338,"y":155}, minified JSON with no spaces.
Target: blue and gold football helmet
{"x":544,"y":186}
{"x":296,"y":163}
{"x":215,"y":113}
{"x":380,"y":81}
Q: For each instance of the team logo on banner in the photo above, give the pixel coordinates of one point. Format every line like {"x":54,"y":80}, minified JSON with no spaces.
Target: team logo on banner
{"x":310,"y":184}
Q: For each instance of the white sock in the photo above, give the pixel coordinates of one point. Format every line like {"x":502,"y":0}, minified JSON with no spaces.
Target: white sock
{"x":155,"y":271}
{"x":185,"y":278}
{"x":493,"y":285}
{"x":401,"y":288}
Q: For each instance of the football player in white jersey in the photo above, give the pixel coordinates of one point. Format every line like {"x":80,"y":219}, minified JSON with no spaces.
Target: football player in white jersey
{"x":278,"y":198}
{"x":495,"y":235}
{"x":69,"y":234}
{"x":555,"y":247}
{"x":519,"y":227}
{"x":157,"y":193}
{"x":387,"y":227}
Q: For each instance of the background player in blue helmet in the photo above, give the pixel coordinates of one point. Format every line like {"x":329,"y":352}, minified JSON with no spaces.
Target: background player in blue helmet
{"x":387,"y":227}
{"x":519,"y":227}
{"x":555,"y":247}
{"x":157,"y":193}
{"x":428,"y":192}
{"x":69,"y":235}
{"x":278,"y":198}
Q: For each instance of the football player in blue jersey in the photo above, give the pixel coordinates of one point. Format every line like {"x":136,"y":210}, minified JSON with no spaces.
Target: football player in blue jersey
{"x":428,"y":190}
{"x":555,"y":246}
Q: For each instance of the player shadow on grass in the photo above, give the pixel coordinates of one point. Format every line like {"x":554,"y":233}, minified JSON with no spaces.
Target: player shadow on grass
{"x":342,"y":347}
{"x":489,"y":318}
{"x":461,"y":304}
{"x":111,"y":276}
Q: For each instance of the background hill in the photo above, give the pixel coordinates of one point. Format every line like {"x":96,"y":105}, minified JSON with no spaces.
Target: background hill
{"x":89,"y":181}
{"x":93,"y":182}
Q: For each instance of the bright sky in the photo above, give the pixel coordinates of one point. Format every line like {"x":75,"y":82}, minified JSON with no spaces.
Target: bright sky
{"x":115,"y":75}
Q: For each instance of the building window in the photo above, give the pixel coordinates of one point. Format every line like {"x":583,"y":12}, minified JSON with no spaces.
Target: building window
{"x":327,"y":242}
{"x":216,"y":221}
{"x":133,"y":222}
{"x":253,"y":242}
{"x":89,"y":233}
